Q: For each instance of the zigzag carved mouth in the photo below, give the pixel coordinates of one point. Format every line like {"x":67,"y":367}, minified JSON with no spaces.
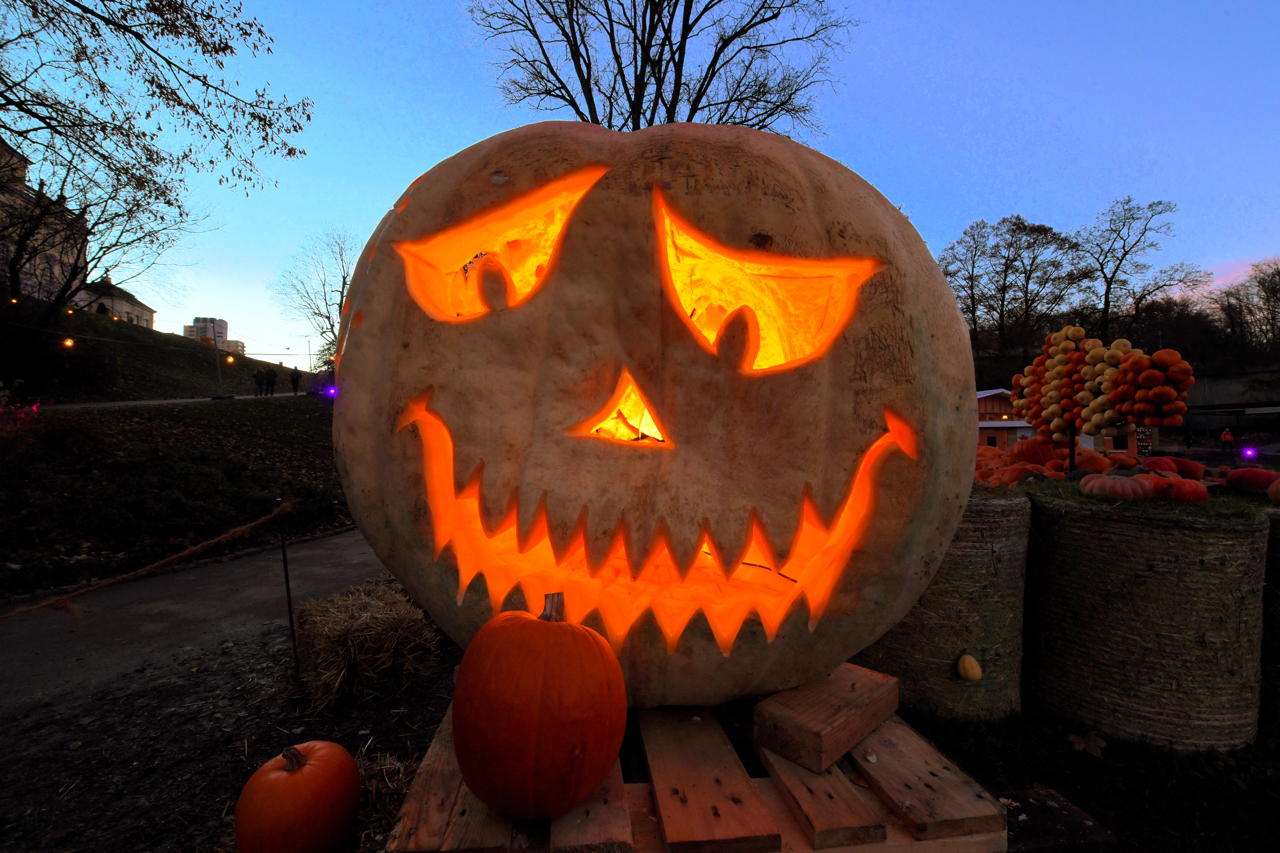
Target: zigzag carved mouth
{"x":725,"y":592}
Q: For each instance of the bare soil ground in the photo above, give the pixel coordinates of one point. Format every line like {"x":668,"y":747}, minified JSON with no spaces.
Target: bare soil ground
{"x":156,"y":761}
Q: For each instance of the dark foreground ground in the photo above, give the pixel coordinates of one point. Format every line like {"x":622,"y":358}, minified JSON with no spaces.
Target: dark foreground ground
{"x":156,"y":761}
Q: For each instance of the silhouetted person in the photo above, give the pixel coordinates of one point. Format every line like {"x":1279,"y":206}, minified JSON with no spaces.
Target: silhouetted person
{"x":259,"y":382}
{"x":1228,"y":440}
{"x":295,"y":376}
{"x":271,"y":381}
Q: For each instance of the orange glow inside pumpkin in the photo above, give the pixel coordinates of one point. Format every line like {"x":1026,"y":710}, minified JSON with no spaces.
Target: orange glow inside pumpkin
{"x":624,"y":586}
{"x":517,"y":240}
{"x":627,"y":418}
{"x":795,"y":308}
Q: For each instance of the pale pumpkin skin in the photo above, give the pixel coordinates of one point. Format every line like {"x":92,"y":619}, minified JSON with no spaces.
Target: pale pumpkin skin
{"x":508,"y":384}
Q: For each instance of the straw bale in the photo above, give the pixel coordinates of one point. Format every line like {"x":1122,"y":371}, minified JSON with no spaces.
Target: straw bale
{"x":973,"y":606}
{"x":1270,"y":706}
{"x":1146,"y":623}
{"x":369,"y":640}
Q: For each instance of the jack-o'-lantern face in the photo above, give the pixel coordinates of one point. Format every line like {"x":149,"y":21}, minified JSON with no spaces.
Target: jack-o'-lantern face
{"x":703,"y":381}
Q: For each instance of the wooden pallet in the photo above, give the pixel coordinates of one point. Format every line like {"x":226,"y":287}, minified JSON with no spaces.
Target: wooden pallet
{"x":892,"y":791}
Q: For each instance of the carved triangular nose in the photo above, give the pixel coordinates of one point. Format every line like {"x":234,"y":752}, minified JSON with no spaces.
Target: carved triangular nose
{"x":627,"y":418}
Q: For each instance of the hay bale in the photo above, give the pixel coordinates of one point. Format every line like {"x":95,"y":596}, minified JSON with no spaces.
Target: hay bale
{"x":973,"y":606}
{"x":1270,"y":702}
{"x":370,"y":640}
{"x":1146,"y":622}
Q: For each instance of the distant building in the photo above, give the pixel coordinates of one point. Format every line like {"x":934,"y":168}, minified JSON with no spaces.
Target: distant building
{"x":47,"y":241}
{"x":210,"y":328}
{"x":105,"y":298}
{"x":998,"y":425}
{"x":234,"y":346}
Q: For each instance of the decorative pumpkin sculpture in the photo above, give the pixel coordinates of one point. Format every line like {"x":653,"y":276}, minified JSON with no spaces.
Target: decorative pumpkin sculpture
{"x":302,"y":800}
{"x":539,"y":710}
{"x":703,"y":380}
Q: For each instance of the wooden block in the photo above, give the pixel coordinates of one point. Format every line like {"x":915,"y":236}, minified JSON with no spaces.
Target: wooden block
{"x":897,"y":839}
{"x":600,"y":825}
{"x":816,"y":723}
{"x":919,"y":784}
{"x":704,"y":798}
{"x":474,"y":827}
{"x":828,"y":808}
{"x":425,"y":813}
{"x":646,"y":830}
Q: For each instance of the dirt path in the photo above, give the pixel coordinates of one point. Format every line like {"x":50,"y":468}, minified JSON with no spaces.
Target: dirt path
{"x":150,"y":622}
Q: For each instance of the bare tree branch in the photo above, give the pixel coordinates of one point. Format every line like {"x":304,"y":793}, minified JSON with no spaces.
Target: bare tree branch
{"x":314,"y":286}
{"x":627,"y":64}
{"x":137,"y":86}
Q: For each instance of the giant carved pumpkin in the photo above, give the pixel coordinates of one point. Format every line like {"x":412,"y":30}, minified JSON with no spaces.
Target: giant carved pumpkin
{"x":706,"y":382}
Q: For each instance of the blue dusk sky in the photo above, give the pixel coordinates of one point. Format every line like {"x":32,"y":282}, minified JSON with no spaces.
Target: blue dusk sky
{"x":956,"y":110}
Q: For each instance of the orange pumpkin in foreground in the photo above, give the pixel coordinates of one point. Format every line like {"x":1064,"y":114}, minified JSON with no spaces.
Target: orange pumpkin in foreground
{"x":539,"y":710}
{"x":301,"y":801}
{"x":703,"y":380}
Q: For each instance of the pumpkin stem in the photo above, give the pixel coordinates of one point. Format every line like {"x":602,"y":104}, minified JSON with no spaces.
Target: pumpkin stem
{"x":553,"y":607}
{"x":293,"y":759}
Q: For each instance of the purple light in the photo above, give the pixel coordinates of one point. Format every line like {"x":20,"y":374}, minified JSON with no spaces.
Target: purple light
{"x":1249,"y":452}
{"x":331,"y":390}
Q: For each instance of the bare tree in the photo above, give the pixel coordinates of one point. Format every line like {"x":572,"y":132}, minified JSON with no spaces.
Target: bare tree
{"x":628,"y":64}
{"x":136,"y":87}
{"x":100,"y":223}
{"x":1249,"y":310}
{"x":965,"y":264}
{"x":1010,"y":278}
{"x":1112,"y":253}
{"x":1043,"y":277}
{"x":314,"y":287}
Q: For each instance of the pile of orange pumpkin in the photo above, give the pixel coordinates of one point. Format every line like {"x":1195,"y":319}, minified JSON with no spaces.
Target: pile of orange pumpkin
{"x":1078,"y":384}
{"x":996,"y":467}
{"x":1152,"y":390}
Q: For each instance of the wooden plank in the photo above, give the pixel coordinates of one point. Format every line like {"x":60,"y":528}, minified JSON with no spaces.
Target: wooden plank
{"x":828,"y":808}
{"x":646,"y":829}
{"x":897,"y":839}
{"x":816,"y":723}
{"x":475,"y":828}
{"x":922,"y":786}
{"x":425,"y":813}
{"x":600,"y":825}
{"x":704,"y":798}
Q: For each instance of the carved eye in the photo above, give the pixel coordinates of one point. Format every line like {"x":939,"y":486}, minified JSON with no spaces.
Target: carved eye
{"x":516,"y":241}
{"x":793,"y":308}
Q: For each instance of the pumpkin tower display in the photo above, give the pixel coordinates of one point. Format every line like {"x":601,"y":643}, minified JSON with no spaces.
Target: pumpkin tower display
{"x":702,"y":380}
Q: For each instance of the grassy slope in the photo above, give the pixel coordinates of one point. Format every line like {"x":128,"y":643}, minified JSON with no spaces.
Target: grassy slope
{"x":101,"y":491}
{"x":114,"y":360}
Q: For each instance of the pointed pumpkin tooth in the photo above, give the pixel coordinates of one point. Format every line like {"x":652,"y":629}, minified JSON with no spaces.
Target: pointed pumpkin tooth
{"x":639,"y":530}
{"x":466,"y":470}
{"x":602,"y":530}
{"x":828,"y":495}
{"x":729,"y":530}
{"x":532,"y":519}
{"x":780,"y":521}
{"x":495,"y":507}
{"x":566,"y":523}
{"x":684,"y":545}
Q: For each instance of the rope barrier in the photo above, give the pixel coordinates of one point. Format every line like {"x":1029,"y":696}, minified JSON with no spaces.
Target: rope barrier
{"x":63,"y":602}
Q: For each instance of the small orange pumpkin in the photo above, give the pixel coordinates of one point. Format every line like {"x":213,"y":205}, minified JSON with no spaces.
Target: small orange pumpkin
{"x":539,"y":710}
{"x":302,"y":800}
